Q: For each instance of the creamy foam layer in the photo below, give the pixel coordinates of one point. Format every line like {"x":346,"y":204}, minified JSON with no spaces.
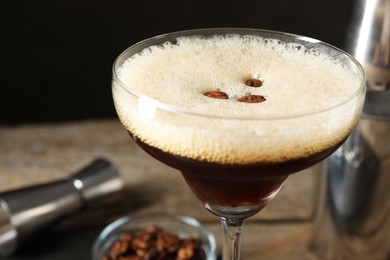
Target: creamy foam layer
{"x":295,"y":82}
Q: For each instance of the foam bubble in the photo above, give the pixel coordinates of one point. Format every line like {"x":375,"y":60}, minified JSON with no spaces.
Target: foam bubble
{"x":295,"y":82}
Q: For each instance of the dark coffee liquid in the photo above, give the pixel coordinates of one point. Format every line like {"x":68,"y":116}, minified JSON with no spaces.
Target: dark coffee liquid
{"x":231,"y":185}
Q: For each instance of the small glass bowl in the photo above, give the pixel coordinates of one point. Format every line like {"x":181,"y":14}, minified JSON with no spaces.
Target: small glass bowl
{"x":182,"y":226}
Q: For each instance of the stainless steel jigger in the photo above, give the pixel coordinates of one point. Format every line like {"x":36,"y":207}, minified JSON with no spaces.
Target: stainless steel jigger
{"x":26,"y":211}
{"x":353,"y":220}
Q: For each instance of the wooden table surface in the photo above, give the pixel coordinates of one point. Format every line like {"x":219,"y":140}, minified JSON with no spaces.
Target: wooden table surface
{"x":33,"y":154}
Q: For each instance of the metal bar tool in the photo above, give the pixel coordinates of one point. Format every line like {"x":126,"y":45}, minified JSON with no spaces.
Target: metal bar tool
{"x":26,"y":211}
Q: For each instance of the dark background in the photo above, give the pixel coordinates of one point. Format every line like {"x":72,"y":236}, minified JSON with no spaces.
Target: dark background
{"x":56,"y":55}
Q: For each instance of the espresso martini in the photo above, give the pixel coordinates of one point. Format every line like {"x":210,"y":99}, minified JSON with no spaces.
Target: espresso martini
{"x":180,"y":118}
{"x":237,"y":111}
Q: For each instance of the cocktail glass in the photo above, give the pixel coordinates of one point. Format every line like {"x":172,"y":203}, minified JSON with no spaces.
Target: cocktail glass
{"x":236,"y":163}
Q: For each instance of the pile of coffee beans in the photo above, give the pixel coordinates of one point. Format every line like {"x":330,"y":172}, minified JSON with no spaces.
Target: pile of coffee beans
{"x":155,"y":243}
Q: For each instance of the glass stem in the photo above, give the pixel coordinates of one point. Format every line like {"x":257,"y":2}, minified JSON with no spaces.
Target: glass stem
{"x":232,"y":234}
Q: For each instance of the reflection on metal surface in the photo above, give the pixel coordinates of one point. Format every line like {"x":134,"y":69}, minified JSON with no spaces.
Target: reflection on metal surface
{"x":369,"y":42}
{"x":27,"y":211}
{"x":353,"y":218}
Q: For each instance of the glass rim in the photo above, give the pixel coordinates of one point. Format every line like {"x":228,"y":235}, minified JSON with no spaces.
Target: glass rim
{"x":230,"y":31}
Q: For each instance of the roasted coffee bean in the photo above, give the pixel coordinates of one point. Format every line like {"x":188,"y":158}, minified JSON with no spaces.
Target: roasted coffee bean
{"x":140,"y":243}
{"x":254,"y":83}
{"x":216,"y":94}
{"x":252,"y":99}
{"x":153,"y":229}
{"x":151,"y":254}
{"x":126,"y":236}
{"x":169,"y":239}
{"x":186,"y":252}
{"x":154,"y":243}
